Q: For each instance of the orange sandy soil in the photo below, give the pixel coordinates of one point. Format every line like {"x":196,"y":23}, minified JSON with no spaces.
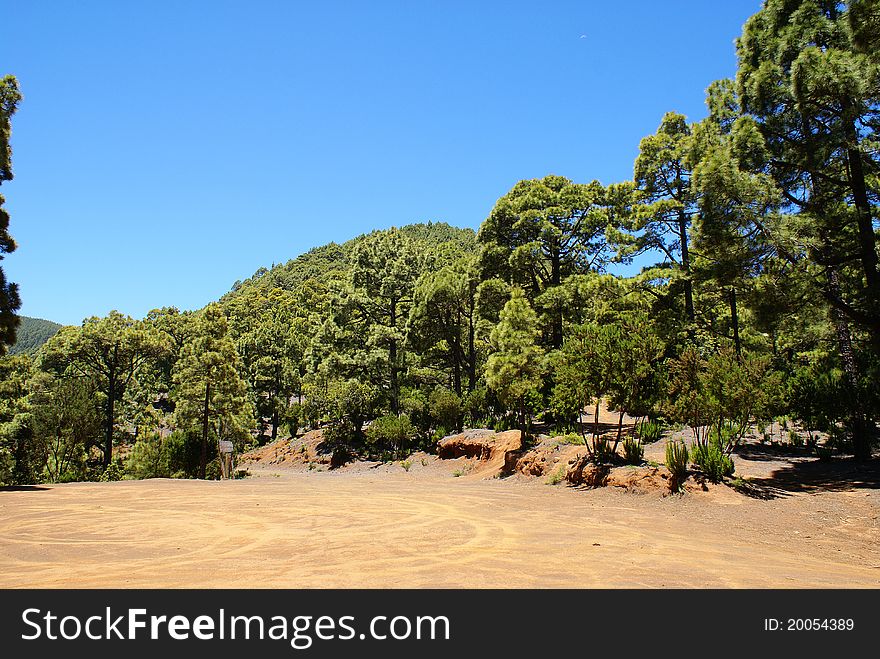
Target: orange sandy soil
{"x":385,"y":527}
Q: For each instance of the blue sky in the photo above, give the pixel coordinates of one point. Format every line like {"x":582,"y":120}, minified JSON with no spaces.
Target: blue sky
{"x":166,"y":149}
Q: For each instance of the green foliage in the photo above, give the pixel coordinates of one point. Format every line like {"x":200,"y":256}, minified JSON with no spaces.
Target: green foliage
{"x":601,"y":451}
{"x":633,"y":451}
{"x":174,"y":456}
{"x":571,"y":438}
{"x":350,"y":405}
{"x":516,"y":367}
{"x":445,"y":408}
{"x":111,"y":352}
{"x":31,"y":334}
{"x":712,"y":459}
{"x":677,"y":460}
{"x":649,"y":430}
{"x":721,"y":394}
{"x":391,"y":433}
{"x":113,"y":472}
{"x":557,"y":476}
{"x":10,"y":97}
{"x":66,"y":420}
{"x":208,"y":391}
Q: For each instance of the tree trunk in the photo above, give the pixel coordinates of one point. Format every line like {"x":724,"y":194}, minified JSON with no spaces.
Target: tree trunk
{"x":734,"y":319}
{"x":392,"y":357}
{"x":111,"y":413}
{"x":275,"y":424}
{"x":686,"y":266}
{"x":859,"y":427}
{"x":456,"y":361}
{"x":203,"y":460}
{"x":619,"y":431}
{"x":556,"y":280}
{"x":867,"y":248}
{"x":596,"y":420}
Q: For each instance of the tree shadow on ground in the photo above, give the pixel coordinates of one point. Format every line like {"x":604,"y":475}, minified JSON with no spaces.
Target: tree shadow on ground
{"x":813,"y":476}
{"x":770,"y":452}
{"x":24,"y":488}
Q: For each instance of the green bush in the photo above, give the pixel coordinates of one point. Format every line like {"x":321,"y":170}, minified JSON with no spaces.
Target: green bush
{"x":601,"y":451}
{"x":712,"y":460}
{"x":293,"y":417}
{"x":146,"y":459}
{"x":445,"y":408}
{"x":571,"y":438}
{"x":391,"y":433}
{"x":649,"y":430}
{"x":476,"y":407}
{"x":175,"y":456}
{"x":633,"y":452}
{"x":114,"y":472}
{"x":677,"y":459}
{"x":557,"y":476}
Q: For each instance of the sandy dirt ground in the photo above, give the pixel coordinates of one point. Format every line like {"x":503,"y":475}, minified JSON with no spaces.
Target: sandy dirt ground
{"x":387,"y":527}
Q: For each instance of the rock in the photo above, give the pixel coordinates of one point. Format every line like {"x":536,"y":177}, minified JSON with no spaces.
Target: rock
{"x":497,"y":453}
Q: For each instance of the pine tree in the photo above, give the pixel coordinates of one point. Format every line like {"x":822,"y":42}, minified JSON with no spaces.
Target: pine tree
{"x":516,"y":368}
{"x":112,"y":351}
{"x":10,"y":97}
{"x":209,"y":393}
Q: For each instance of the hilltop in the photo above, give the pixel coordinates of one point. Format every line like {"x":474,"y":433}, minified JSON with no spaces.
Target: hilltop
{"x":32,"y":333}
{"x":333,"y":258}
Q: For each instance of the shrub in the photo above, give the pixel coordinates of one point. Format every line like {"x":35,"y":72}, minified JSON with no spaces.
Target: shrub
{"x":445,"y":408}
{"x":633,"y":452}
{"x":649,"y":430}
{"x":113,"y":472}
{"x":175,"y":456}
{"x":601,"y":451}
{"x":557,"y":476}
{"x":712,"y":460}
{"x":571,"y":438}
{"x":292,"y":417}
{"x":145,"y":459}
{"x":406,"y":464}
{"x":391,"y":432}
{"x":677,"y":462}
{"x":476,"y":407}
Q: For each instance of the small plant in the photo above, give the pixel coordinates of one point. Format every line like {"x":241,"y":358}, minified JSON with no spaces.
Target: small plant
{"x":677,"y":459}
{"x":113,"y":472}
{"x":601,"y":451}
{"x":312,"y":466}
{"x":571,"y":438}
{"x":424,"y":462}
{"x":458,"y":473}
{"x":557,"y":476}
{"x":633,"y":451}
{"x":795,"y":439}
{"x":649,"y":430}
{"x":712,"y":460}
{"x":406,"y":464}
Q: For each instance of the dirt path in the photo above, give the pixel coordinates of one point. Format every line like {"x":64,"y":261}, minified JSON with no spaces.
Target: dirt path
{"x":289,"y":529}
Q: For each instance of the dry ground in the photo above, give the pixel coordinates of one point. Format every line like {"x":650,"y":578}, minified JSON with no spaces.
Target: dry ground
{"x":385,"y":527}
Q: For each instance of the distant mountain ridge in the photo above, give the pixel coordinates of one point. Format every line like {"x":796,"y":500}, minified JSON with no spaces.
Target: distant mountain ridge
{"x":32,"y":333}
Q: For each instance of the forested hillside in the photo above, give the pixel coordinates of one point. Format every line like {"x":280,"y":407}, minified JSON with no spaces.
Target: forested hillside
{"x":332,"y":259}
{"x":762,"y":303}
{"x":31,"y":334}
